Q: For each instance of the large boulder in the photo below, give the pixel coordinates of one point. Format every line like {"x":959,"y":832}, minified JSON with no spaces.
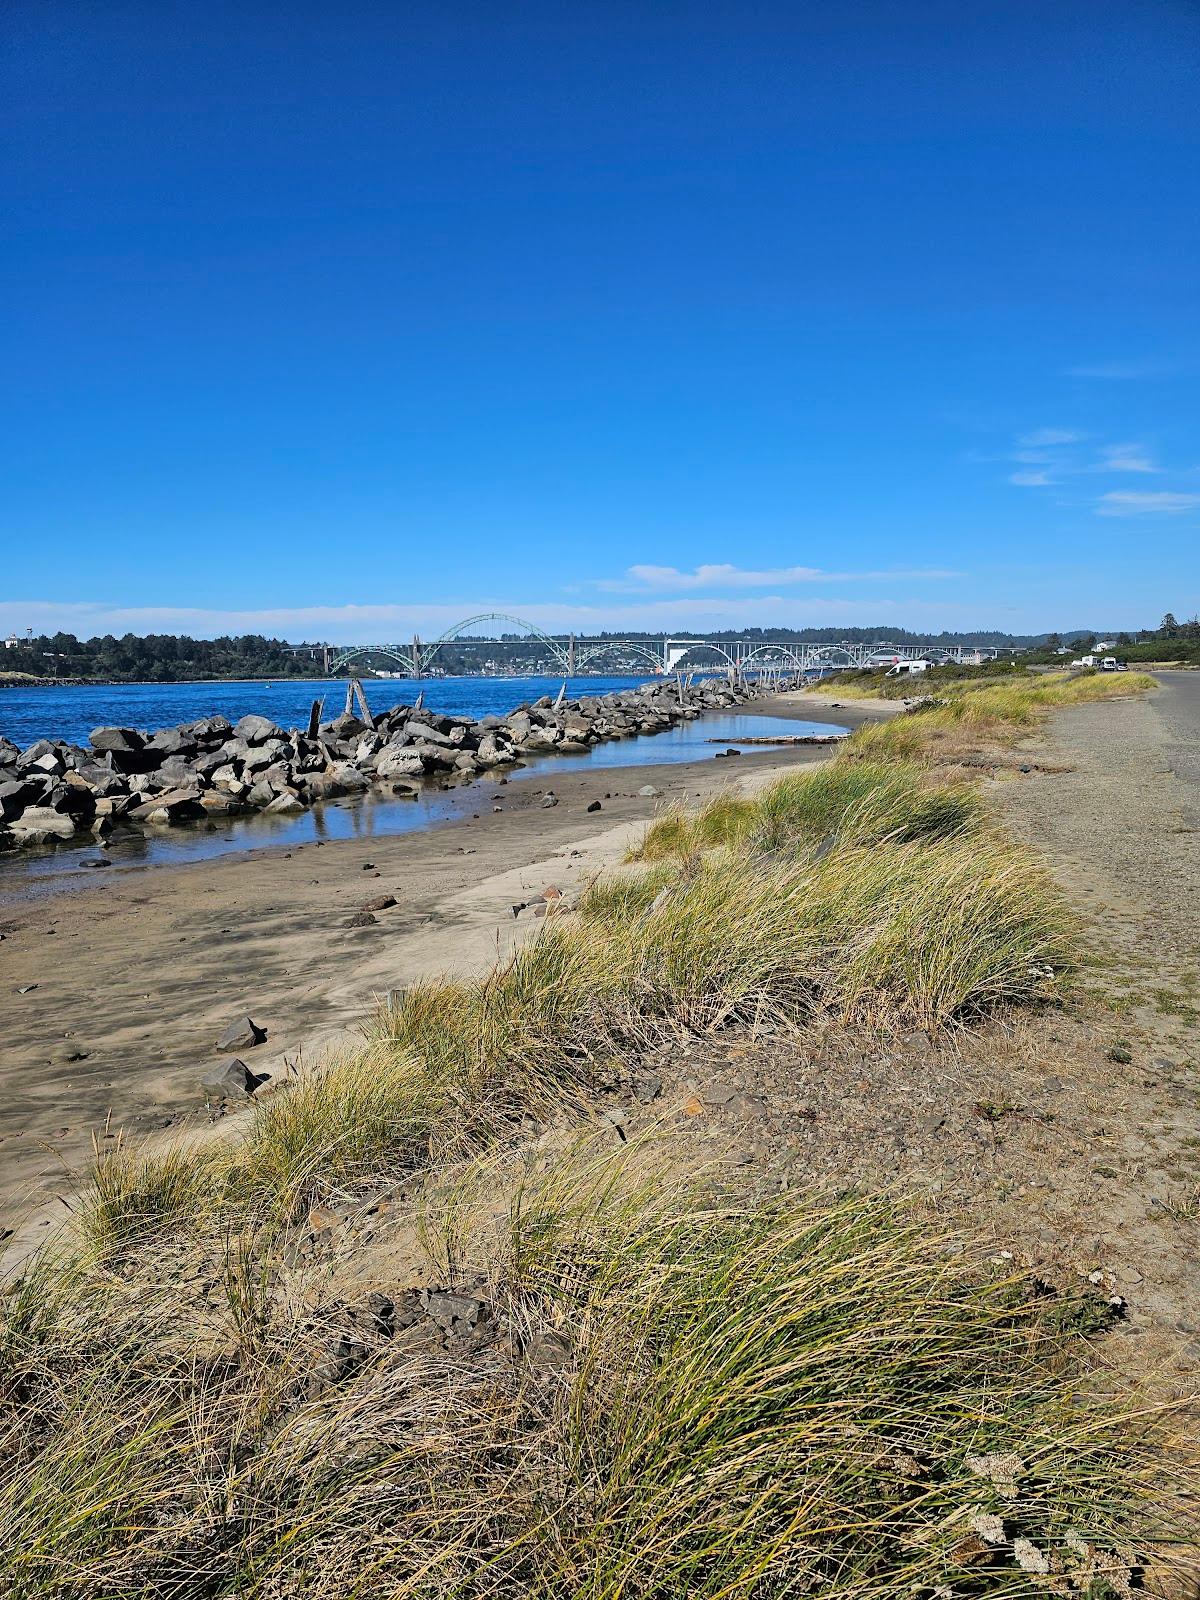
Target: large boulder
{"x":425,"y":733}
{"x":284,"y":804}
{"x":41,"y":825}
{"x":15,"y":795}
{"x":399,"y":761}
{"x":241,"y":1034}
{"x":349,"y":778}
{"x":435,"y":757}
{"x":232,"y":1080}
{"x":176,"y":805}
{"x":211,"y":730}
{"x":257,"y":730}
{"x":124,"y":740}
{"x":46,"y":761}
{"x":217,"y":803}
{"x":173,"y":742}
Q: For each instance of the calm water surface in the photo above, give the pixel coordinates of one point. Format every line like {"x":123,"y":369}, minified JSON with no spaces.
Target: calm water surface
{"x":72,"y":712}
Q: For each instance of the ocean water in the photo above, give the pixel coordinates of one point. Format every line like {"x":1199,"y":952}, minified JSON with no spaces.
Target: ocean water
{"x":71,"y":712}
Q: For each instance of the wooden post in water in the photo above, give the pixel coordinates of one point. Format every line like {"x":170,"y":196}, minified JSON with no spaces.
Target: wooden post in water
{"x":360,"y":694}
{"x":314,"y":717}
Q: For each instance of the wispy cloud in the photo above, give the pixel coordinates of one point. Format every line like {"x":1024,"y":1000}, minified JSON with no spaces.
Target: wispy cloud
{"x":644,"y":578}
{"x":1116,"y":371}
{"x":1125,"y":458}
{"x":362,"y":624}
{"x":1048,"y":457}
{"x":1145,"y":503}
{"x":1041,"y":437}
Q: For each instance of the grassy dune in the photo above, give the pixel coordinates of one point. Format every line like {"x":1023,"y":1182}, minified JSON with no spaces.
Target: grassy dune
{"x":685,"y":1395}
{"x":999,"y":708}
{"x":689,"y":1398}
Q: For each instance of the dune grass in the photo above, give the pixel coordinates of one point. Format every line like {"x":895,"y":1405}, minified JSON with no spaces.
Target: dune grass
{"x":333,"y":1129}
{"x":678,"y":1395}
{"x":836,"y":803}
{"x":926,"y":934}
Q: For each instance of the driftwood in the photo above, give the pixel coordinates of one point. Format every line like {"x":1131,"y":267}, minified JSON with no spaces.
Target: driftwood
{"x":784,"y":738}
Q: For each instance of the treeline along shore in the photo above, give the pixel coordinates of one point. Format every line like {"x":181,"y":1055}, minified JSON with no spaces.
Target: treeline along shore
{"x":54,"y":791}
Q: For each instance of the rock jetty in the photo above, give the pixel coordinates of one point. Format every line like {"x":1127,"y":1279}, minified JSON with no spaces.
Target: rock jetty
{"x":55,"y":792}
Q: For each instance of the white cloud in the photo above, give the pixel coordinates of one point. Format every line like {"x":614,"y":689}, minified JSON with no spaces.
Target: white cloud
{"x":1126,"y":458}
{"x":1049,"y":436}
{"x":390,"y":624}
{"x":1050,"y":455}
{"x":644,"y":578}
{"x":1141,"y":503}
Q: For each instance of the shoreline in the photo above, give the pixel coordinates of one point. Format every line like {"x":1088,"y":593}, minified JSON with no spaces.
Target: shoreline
{"x":137,"y":975}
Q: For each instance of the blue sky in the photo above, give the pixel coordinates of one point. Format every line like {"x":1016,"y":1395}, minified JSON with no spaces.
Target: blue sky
{"x":341,"y":321}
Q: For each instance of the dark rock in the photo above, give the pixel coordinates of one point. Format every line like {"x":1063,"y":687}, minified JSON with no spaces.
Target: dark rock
{"x":15,"y":796}
{"x":362,"y":919}
{"x":172,"y":742}
{"x":177,"y":805}
{"x":285,"y":804}
{"x":232,"y":1080}
{"x":242,"y":1034}
{"x":595,"y":806}
{"x":382,"y":902}
{"x":125,"y":740}
{"x":210,"y":730}
{"x":42,"y":825}
{"x":549,"y":799}
{"x":646,"y":1086}
{"x":256,"y":730}
{"x":456,"y":1314}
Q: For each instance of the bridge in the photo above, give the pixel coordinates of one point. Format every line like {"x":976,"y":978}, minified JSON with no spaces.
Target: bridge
{"x":571,"y":656}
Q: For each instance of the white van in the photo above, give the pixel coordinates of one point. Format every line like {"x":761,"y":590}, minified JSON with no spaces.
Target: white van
{"x":905,"y":669}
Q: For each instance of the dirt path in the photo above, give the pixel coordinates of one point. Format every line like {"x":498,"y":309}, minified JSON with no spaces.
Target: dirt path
{"x":1122,"y":829}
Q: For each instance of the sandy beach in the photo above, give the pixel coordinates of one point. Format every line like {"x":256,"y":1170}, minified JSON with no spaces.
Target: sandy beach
{"x":112,"y":997}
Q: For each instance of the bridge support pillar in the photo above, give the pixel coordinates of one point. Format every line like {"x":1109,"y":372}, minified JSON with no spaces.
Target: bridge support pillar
{"x":416,"y":656}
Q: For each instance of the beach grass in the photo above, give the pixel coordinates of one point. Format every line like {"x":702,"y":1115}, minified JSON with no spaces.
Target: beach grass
{"x":837,"y":802}
{"x":678,"y":1395}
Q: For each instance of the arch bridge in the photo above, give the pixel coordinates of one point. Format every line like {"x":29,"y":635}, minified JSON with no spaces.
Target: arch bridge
{"x":569,"y":655}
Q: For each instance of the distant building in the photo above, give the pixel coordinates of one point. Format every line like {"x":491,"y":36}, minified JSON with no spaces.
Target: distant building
{"x":12,"y":642}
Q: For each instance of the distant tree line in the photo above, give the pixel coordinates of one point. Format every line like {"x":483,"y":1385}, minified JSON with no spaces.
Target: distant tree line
{"x":1172,"y":640}
{"x":156,"y":658}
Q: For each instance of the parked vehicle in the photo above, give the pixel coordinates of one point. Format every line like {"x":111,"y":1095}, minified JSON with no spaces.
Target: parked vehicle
{"x":905,"y":669}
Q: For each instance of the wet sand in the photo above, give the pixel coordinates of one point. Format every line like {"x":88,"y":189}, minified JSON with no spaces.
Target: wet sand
{"x":138,"y":973}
